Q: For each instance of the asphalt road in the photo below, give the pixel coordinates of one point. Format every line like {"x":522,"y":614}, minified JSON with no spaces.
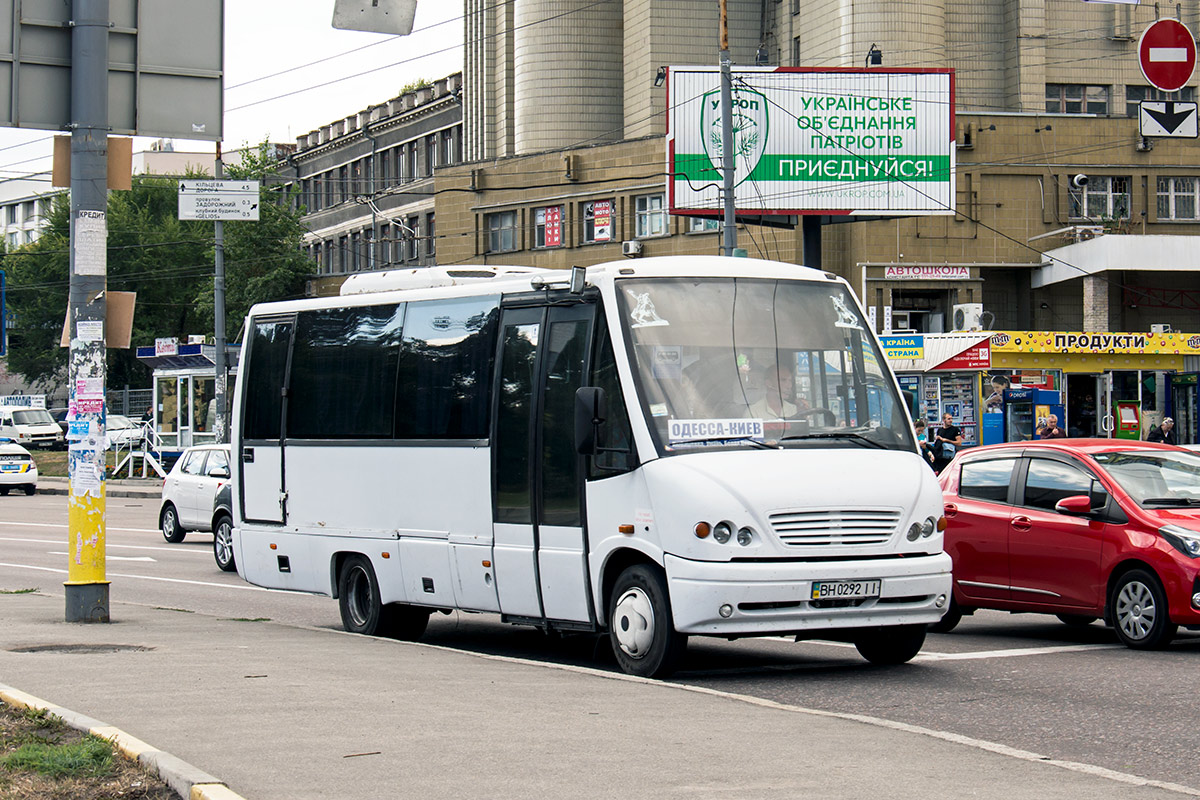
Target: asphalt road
{"x":1024,"y":681}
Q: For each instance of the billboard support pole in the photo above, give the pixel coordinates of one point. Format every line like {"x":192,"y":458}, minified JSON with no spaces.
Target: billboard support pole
{"x":729,"y":226}
{"x":86,"y":587}
{"x":222,"y":377}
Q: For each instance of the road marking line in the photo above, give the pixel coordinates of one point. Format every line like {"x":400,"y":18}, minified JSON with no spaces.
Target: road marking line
{"x":63,"y":526}
{"x":109,"y":557}
{"x":1015,"y":652}
{"x":111,"y":546}
{"x":247,"y":587}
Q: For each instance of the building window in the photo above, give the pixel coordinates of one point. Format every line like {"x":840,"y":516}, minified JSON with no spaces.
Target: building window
{"x":330,"y":187}
{"x":598,"y":221}
{"x":547,"y":226}
{"x":10,"y":214}
{"x":1177,"y":198}
{"x":1136,"y":94}
{"x":355,"y":252}
{"x":703,"y":224}
{"x":328,"y":266}
{"x":430,"y":154}
{"x":449,"y":154}
{"x":14,"y":239}
{"x":384,"y":164}
{"x":27,"y":210}
{"x":343,"y":255}
{"x":651,"y":216}
{"x":343,"y":187}
{"x":430,"y":241}
{"x":1076,"y":98}
{"x":411,"y":168}
{"x":1102,"y":198}
{"x":414,"y":238}
{"x":796,"y":51}
{"x":502,"y":231}
{"x":356,"y":177}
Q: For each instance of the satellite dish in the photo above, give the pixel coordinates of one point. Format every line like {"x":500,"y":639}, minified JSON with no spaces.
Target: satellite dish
{"x":375,"y":16}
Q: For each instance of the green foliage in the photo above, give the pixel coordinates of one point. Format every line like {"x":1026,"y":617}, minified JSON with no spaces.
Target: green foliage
{"x":90,"y":757}
{"x":168,"y":262}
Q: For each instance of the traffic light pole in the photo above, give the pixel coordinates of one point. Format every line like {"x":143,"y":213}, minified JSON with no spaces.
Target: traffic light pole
{"x":86,"y":585}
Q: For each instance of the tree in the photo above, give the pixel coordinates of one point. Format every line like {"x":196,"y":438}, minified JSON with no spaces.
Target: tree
{"x":168,"y":262}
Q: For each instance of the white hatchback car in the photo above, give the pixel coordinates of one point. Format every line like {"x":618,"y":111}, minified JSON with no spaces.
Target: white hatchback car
{"x":189,"y":489}
{"x":17,"y":468}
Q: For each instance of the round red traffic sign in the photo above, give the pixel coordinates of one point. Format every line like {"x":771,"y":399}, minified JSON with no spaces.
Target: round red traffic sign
{"x":1167,"y":54}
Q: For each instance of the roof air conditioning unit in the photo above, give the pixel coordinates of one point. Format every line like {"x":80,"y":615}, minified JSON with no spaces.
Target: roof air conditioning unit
{"x":631,"y":248}
{"x":1160,"y":327}
{"x":968,"y":317}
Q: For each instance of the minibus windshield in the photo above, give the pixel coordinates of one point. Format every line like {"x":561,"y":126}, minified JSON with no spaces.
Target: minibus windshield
{"x":731,"y":362}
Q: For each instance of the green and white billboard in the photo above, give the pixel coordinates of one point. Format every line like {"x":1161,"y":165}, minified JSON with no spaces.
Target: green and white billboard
{"x":848,"y":141}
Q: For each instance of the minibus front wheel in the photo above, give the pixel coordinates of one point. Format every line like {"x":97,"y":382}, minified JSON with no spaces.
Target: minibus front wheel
{"x":644,"y":639}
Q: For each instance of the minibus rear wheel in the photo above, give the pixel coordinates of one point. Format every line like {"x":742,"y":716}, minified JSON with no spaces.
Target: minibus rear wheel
{"x":644,"y":639}
{"x":895,"y":644}
{"x":362,"y":610}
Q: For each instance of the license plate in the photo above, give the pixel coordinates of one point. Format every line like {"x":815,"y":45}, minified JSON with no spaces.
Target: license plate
{"x":10,"y":467}
{"x":844,"y":590}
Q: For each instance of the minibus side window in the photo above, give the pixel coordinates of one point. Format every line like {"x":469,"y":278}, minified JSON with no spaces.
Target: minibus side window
{"x":615,"y":435}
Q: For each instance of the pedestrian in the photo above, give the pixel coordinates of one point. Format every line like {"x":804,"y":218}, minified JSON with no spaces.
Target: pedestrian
{"x":946,"y":442}
{"x":1051,"y":430}
{"x":1164,"y":433}
{"x":148,"y":414}
{"x":923,"y":441}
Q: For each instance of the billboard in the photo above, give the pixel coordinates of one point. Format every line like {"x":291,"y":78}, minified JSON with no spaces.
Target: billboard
{"x":830,"y":141}
{"x":165,"y":67}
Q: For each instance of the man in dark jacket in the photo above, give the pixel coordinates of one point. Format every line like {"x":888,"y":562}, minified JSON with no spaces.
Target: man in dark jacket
{"x":1164,"y":433}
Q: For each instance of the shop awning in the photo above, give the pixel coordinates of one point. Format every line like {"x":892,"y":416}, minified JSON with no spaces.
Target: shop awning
{"x":946,"y":351}
{"x":1118,"y":251}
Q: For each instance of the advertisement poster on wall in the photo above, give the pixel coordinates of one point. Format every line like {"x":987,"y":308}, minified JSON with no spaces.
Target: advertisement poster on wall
{"x":602,"y":214}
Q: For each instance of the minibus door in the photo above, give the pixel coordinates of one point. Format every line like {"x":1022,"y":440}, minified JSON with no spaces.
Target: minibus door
{"x":540,"y":551}
{"x":262,"y":487}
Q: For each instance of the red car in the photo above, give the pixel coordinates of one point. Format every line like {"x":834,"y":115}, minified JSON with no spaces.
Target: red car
{"x":1085,"y":529}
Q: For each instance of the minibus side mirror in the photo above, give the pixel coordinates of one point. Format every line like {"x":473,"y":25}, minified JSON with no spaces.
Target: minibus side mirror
{"x":1075,"y":506}
{"x":591,"y":410}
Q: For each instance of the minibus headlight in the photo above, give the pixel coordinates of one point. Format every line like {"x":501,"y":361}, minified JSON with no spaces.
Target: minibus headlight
{"x":914,"y":531}
{"x":745,"y":537}
{"x":722,"y":531}
{"x":928,"y":527}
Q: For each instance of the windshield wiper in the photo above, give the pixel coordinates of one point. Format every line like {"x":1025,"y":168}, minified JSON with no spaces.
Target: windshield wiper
{"x":857,"y":437}
{"x":1172,"y":501}
{"x":756,"y":442}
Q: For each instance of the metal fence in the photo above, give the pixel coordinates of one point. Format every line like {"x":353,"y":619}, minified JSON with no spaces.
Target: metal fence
{"x":130,"y":402}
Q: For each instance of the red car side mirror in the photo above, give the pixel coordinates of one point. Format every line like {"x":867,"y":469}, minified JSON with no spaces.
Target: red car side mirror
{"x":1076,"y":505}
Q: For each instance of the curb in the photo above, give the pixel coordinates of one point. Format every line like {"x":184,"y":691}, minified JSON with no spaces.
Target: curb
{"x":187,"y":781}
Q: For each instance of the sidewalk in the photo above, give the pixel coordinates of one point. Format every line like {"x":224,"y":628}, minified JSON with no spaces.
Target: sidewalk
{"x":114,"y":487}
{"x":285,"y":712}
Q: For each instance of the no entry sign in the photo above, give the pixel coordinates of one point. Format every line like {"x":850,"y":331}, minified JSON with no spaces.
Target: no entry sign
{"x":1167,"y":54}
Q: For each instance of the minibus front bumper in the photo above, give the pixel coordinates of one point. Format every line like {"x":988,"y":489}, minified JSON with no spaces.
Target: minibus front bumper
{"x":774,"y":597}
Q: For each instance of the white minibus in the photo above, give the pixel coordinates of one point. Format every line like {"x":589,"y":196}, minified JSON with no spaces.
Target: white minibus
{"x":650,"y":449}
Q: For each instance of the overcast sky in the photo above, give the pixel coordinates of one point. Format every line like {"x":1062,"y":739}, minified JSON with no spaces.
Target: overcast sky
{"x":270,"y":47}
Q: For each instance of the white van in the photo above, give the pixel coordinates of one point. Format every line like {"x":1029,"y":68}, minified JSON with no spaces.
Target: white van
{"x":652,"y":449}
{"x":31,"y":427}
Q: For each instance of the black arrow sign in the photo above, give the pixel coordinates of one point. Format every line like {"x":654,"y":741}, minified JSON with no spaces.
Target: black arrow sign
{"x":1168,"y":118}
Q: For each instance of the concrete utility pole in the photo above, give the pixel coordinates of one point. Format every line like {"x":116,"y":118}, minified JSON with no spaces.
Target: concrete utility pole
{"x":729,"y":227}
{"x":86,"y":587}
{"x":222,"y":427}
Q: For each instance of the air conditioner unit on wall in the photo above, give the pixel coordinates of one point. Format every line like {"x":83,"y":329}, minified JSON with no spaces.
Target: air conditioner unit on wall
{"x":631,"y":248}
{"x":968,"y":317}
